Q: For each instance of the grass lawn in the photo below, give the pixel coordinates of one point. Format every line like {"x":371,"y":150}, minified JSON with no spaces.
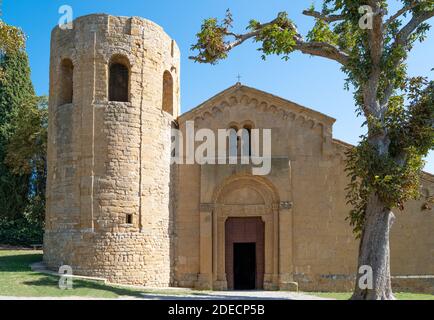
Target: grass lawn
{"x":347,"y":295}
{"x":17,"y":279}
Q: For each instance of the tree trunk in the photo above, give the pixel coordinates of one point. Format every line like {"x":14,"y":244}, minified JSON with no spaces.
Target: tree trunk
{"x":374,"y":252}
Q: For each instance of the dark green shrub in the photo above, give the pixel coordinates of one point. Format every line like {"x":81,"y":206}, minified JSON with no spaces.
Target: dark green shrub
{"x":21,"y":232}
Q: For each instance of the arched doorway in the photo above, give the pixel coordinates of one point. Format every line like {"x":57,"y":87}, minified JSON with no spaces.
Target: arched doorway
{"x":244,"y":251}
{"x":245,"y":223}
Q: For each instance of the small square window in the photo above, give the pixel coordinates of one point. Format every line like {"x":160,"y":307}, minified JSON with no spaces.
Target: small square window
{"x":129,"y":219}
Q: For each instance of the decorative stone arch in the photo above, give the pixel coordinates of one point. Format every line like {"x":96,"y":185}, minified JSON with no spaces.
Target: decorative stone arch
{"x":266,"y":188}
{"x":72,"y":56}
{"x":247,"y":124}
{"x":279,"y":110}
{"x":261,"y":199}
{"x":233,"y":125}
{"x":120,"y":55}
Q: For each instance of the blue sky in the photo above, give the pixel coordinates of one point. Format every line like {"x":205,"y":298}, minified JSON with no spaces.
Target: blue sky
{"x":314,"y":82}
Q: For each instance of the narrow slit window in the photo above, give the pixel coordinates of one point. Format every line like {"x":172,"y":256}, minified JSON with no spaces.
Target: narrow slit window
{"x":66,"y":82}
{"x":129,"y":219}
{"x":234,"y":142}
{"x":167,"y":92}
{"x":247,"y":140}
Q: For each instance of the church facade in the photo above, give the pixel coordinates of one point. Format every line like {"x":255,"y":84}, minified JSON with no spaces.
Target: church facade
{"x":118,"y":208}
{"x":294,"y":216}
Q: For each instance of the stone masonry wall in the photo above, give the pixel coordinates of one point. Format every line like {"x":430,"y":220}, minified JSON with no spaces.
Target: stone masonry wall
{"x":317,"y":247}
{"x":110,"y":161}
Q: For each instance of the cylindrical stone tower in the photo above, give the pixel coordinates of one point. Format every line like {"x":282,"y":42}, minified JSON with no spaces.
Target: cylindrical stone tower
{"x":114,"y":93}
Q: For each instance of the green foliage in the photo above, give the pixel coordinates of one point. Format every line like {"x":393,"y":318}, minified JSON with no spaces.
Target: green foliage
{"x":26,"y":150}
{"x":393,"y":182}
{"x":321,"y":32}
{"x":15,"y":90}
{"x":393,"y":176}
{"x":388,"y":160}
{"x":13,"y":193}
{"x":355,"y":41}
{"x":22,"y":231}
{"x":211,"y":44}
{"x":412,"y":127}
{"x":23,"y":136}
{"x":15,"y":87}
{"x":11,"y":38}
{"x":277,"y":38}
{"x":18,"y":280}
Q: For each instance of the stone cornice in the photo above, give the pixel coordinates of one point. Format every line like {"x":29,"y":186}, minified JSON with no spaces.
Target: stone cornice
{"x":260,"y":101}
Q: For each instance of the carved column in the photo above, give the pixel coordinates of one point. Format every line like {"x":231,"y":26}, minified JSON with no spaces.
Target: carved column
{"x":220,"y":283}
{"x":286,"y":281}
{"x":269,"y":255}
{"x":206,"y":233}
{"x":276,"y":231}
{"x":214,"y":244}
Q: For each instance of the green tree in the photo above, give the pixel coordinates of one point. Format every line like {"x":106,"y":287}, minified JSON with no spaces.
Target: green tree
{"x":16,"y":90}
{"x":11,"y":38}
{"x":22,"y":144}
{"x":372,"y":47}
{"x":26,"y":151}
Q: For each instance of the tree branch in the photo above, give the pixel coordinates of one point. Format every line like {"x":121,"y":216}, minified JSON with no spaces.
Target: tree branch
{"x":321,"y":49}
{"x":402,"y":39}
{"x":326,"y":18}
{"x":376,"y":48}
{"x":376,"y":33}
{"x":403,"y":35}
{"x":401,"y":12}
{"x":240,"y":38}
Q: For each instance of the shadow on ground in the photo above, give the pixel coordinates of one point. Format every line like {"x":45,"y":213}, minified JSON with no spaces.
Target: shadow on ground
{"x":53,"y":281}
{"x":16,"y":266}
{"x":19,"y":262}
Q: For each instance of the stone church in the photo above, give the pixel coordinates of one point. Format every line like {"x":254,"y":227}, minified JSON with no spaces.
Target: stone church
{"x":117,"y":208}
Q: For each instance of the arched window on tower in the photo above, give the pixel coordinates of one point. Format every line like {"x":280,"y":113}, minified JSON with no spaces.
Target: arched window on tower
{"x":167,"y":92}
{"x":119,"y":78}
{"x":66,"y":82}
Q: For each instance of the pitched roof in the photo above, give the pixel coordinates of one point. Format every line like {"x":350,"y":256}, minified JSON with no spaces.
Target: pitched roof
{"x":292,"y":106}
{"x":272,"y":99}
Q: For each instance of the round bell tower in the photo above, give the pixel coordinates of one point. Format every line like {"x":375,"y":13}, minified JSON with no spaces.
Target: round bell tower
{"x":114,"y":93}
